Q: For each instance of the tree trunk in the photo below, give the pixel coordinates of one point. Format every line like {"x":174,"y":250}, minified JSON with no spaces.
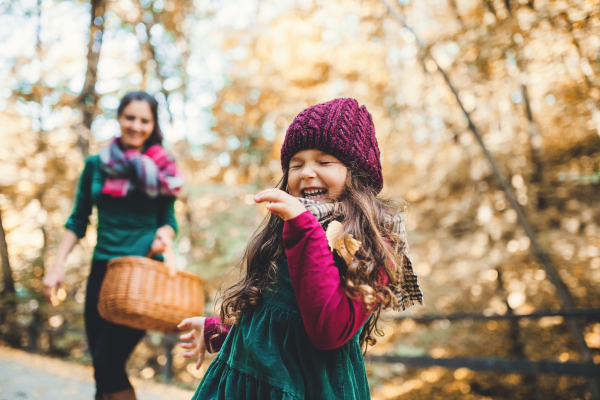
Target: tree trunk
{"x":9,"y":284}
{"x":88,"y":99}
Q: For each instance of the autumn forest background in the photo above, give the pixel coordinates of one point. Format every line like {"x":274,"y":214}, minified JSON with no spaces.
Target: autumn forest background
{"x":487,"y":113}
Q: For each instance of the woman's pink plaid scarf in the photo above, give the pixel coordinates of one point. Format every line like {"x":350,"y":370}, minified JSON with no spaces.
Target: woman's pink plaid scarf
{"x":154,"y":171}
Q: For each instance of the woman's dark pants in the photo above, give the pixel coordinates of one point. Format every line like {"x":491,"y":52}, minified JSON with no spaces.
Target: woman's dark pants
{"x":110,"y":344}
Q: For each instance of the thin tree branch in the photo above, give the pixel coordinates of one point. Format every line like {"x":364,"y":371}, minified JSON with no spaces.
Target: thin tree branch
{"x":535,"y":140}
{"x":150,"y":49}
{"x":575,"y":43}
{"x":455,"y":9}
{"x":88,"y":99}
{"x":490,"y":6}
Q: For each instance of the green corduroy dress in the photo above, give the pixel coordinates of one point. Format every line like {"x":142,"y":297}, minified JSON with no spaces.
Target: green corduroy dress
{"x":269,"y":356}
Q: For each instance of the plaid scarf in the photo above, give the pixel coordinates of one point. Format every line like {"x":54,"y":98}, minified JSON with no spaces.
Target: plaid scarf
{"x":154,"y":171}
{"x":407,"y":292}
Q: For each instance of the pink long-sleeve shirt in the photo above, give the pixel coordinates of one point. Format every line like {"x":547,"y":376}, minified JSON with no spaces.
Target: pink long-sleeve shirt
{"x":330,"y":317}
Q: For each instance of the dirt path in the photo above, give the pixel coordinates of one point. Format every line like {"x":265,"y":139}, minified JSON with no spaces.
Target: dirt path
{"x":31,"y":376}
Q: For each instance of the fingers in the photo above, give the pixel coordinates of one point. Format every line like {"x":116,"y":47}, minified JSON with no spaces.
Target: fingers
{"x":162,"y":239}
{"x":194,"y":340}
{"x":190,"y":354}
{"x":267,"y":191}
{"x":281,"y":204}
{"x":185,"y":324}
{"x":272,"y":195}
{"x":279,"y":209}
{"x":158,"y":246}
{"x":151,"y":252}
{"x":50,"y":286}
{"x":201,"y":353}
{"x":48,"y":292}
{"x":200,"y":360}
{"x":166,"y":233}
{"x":202,"y":345}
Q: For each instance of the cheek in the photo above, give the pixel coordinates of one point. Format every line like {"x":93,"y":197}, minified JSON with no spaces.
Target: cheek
{"x":336,"y":180}
{"x":148,"y":129}
{"x":125,"y":124}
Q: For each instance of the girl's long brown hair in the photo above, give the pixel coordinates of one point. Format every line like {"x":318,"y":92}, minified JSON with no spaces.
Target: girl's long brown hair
{"x":362,"y":214}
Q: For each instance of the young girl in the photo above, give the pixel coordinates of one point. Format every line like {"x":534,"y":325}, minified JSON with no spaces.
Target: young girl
{"x":326,"y":261}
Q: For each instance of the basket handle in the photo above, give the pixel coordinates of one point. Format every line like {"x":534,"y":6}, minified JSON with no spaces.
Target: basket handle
{"x":170,"y":261}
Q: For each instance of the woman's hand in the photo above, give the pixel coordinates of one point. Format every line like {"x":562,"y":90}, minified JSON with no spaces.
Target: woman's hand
{"x":162,"y":239}
{"x":53,"y":279}
{"x":197,"y":344}
{"x":281,"y":204}
{"x":56,"y":274}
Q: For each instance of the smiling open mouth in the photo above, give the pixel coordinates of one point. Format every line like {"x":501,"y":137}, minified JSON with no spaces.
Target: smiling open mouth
{"x":313,"y":194}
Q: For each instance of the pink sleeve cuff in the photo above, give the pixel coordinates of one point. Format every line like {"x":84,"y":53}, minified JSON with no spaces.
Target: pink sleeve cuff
{"x":215,"y":333}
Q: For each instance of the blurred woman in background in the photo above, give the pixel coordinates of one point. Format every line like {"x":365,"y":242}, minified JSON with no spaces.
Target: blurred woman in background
{"x":133,"y":182}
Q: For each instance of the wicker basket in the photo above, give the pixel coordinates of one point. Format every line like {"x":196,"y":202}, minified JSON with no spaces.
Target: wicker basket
{"x":142,"y":293}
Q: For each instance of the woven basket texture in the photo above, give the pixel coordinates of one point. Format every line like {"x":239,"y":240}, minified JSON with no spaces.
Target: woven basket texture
{"x":140,"y":293}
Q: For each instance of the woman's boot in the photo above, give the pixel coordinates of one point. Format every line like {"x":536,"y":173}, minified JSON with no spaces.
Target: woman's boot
{"x":128,"y":394}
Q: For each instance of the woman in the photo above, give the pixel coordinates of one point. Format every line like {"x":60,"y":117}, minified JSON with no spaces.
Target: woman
{"x":133,"y":183}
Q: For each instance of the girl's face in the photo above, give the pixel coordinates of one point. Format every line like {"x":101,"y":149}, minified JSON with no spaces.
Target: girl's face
{"x":137,"y":124}
{"x":316,"y":175}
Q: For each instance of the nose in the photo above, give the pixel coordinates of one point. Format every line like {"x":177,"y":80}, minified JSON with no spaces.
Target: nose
{"x":308,"y":172}
{"x":137,"y":125}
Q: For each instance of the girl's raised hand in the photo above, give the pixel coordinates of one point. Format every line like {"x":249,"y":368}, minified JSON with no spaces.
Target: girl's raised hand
{"x":281,"y":204}
{"x":195,"y":337}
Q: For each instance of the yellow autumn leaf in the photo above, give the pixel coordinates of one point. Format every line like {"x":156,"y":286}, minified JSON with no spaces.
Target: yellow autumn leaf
{"x":345,"y":245}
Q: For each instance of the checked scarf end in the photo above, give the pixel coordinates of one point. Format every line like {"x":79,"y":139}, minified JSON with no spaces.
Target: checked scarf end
{"x":407,"y":303}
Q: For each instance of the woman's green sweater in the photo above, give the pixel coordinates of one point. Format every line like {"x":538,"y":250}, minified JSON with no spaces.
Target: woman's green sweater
{"x":126,"y":225}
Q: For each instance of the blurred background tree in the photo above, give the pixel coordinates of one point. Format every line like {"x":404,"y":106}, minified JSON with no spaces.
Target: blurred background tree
{"x":231,"y":75}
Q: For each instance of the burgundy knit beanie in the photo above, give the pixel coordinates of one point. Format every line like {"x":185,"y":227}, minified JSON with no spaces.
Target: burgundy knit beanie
{"x":341,"y":128}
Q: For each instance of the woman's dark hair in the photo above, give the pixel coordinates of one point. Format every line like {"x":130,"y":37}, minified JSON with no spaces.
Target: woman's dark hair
{"x":156,"y":136}
{"x":362,"y":213}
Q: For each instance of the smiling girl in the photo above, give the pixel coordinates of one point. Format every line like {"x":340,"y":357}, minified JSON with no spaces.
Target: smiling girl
{"x":133,"y":183}
{"x":330,"y":256}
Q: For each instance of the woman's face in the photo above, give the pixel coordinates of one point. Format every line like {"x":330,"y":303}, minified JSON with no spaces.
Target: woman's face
{"x":137,"y":123}
{"x":316,"y":175}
